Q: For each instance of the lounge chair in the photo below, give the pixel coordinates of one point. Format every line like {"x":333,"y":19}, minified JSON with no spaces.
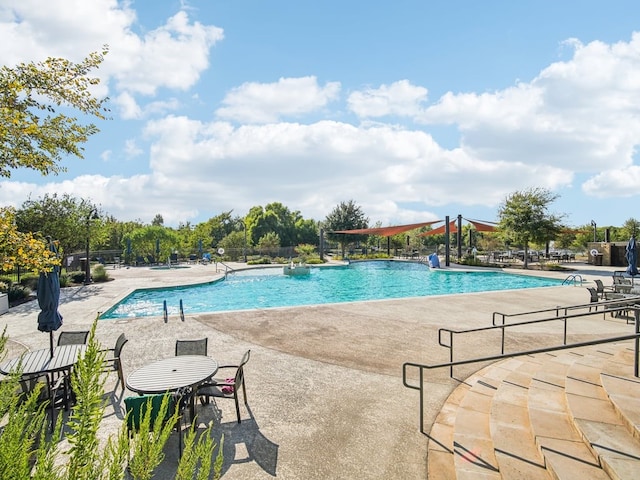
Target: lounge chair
{"x":226,"y":387}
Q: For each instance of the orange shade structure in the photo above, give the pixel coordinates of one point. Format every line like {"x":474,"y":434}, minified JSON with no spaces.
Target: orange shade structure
{"x":386,"y":231}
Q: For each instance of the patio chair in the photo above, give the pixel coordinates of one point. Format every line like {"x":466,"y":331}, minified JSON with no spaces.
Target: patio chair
{"x":53,"y":393}
{"x":73,"y":338}
{"x":226,"y":387}
{"x":141,"y":407}
{"x":602,"y":289}
{"x":112,"y":359}
{"x":594,"y":297}
{"x":191,"y":347}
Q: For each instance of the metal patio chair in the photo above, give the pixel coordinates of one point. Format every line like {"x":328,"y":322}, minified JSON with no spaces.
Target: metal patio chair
{"x":226,"y":387}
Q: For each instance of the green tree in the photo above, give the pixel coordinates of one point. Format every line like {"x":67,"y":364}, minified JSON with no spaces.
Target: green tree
{"x":630,"y":227}
{"x":345,"y":216}
{"x":274,"y":218}
{"x":269,"y":243}
{"x":524,"y":218}
{"x":18,"y":249}
{"x":146,"y":240}
{"x":32,"y":134}
{"x":307,"y":231}
{"x":157,"y":221}
{"x":63,"y":218}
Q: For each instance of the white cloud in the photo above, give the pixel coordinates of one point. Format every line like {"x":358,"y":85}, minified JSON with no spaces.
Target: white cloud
{"x":400,"y":98}
{"x":173,"y":55}
{"x":268,"y":102}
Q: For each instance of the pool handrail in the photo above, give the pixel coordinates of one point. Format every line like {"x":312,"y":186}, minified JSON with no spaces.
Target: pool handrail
{"x":422,"y":367}
{"x":619,"y":305}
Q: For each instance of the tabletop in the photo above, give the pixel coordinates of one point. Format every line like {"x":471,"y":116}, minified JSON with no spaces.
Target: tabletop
{"x":41,"y":361}
{"x":172,"y":373}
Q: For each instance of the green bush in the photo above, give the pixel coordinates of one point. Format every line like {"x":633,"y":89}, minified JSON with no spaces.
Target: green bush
{"x":30,"y":280}
{"x":99,"y":274}
{"x":65,"y":281}
{"x":7,"y":281}
{"x":18,"y":292}
{"x":77,"y":277}
{"x":259,"y":261}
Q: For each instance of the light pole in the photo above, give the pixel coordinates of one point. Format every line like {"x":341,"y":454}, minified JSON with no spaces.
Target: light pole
{"x":244,"y":248}
{"x":92,"y":215}
{"x":593,"y":224}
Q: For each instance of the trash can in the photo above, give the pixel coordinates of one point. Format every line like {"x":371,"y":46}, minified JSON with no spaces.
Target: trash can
{"x":597,"y":259}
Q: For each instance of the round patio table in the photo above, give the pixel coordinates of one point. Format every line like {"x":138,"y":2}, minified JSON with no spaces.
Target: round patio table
{"x":171,"y":374}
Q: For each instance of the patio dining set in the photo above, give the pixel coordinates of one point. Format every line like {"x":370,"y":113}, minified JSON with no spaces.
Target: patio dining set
{"x":186,"y":376}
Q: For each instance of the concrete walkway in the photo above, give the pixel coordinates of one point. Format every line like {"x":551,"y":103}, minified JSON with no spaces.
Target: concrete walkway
{"x":324,"y":383}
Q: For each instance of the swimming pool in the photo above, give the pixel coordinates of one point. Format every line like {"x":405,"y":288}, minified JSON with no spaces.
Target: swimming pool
{"x":359,"y":281}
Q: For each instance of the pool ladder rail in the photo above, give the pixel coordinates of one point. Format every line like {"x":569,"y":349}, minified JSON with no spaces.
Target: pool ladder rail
{"x":166,"y":311}
{"x":574,"y":279}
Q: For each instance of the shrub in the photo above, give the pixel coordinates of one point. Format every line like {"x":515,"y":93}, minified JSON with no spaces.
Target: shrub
{"x":65,"y":281}
{"x":99,"y":274}
{"x":260,"y":261}
{"x":77,"y":277}
{"x":6,"y":280}
{"x":18,"y":292}
{"x":30,"y":280}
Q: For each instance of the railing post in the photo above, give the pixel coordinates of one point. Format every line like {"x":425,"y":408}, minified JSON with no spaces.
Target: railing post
{"x":450,"y":353}
{"x":636,"y":366}
{"x":422,"y":400}
{"x":166,"y":313}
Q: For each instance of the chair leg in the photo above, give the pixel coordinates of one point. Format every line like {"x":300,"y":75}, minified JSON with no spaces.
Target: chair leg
{"x":235,"y":397}
{"x":120,"y":373}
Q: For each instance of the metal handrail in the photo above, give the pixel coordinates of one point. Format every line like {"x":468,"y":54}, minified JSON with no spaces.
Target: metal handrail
{"x":422,"y":367}
{"x":227,"y":268}
{"x":619,"y":305}
{"x":565,"y":309}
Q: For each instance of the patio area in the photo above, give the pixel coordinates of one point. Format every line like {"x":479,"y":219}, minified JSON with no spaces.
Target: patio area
{"x":324,"y":383}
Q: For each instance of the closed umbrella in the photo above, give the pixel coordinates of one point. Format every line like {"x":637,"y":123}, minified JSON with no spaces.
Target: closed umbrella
{"x":49,"y":319}
{"x":632,"y":257}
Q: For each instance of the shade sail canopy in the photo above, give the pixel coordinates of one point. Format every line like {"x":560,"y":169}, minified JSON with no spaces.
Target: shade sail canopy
{"x":453,"y":228}
{"x":441,"y":230}
{"x":386,"y":231}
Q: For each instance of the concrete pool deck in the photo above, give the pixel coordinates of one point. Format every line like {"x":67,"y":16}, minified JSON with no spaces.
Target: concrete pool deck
{"x":324,"y":383}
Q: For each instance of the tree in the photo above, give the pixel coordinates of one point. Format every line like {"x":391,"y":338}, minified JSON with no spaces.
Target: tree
{"x":345,"y":216}
{"x":32,"y":134}
{"x":269,"y":243}
{"x":274,"y":218}
{"x":524,"y":218}
{"x":22,"y":249}
{"x":157,"y":221}
{"x":631,"y":226}
{"x":63,"y":218}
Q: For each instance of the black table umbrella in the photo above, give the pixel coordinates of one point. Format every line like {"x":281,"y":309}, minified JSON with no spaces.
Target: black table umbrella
{"x":49,"y":319}
{"x":632,"y":257}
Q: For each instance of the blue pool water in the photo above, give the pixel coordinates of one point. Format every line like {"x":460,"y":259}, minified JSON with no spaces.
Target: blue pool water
{"x":269,"y":287}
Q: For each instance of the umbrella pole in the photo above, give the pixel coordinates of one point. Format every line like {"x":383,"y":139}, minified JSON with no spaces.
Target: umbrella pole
{"x":51,"y":343}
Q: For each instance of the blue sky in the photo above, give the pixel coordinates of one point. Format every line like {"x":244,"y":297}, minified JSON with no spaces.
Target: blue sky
{"x":415,"y":110}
